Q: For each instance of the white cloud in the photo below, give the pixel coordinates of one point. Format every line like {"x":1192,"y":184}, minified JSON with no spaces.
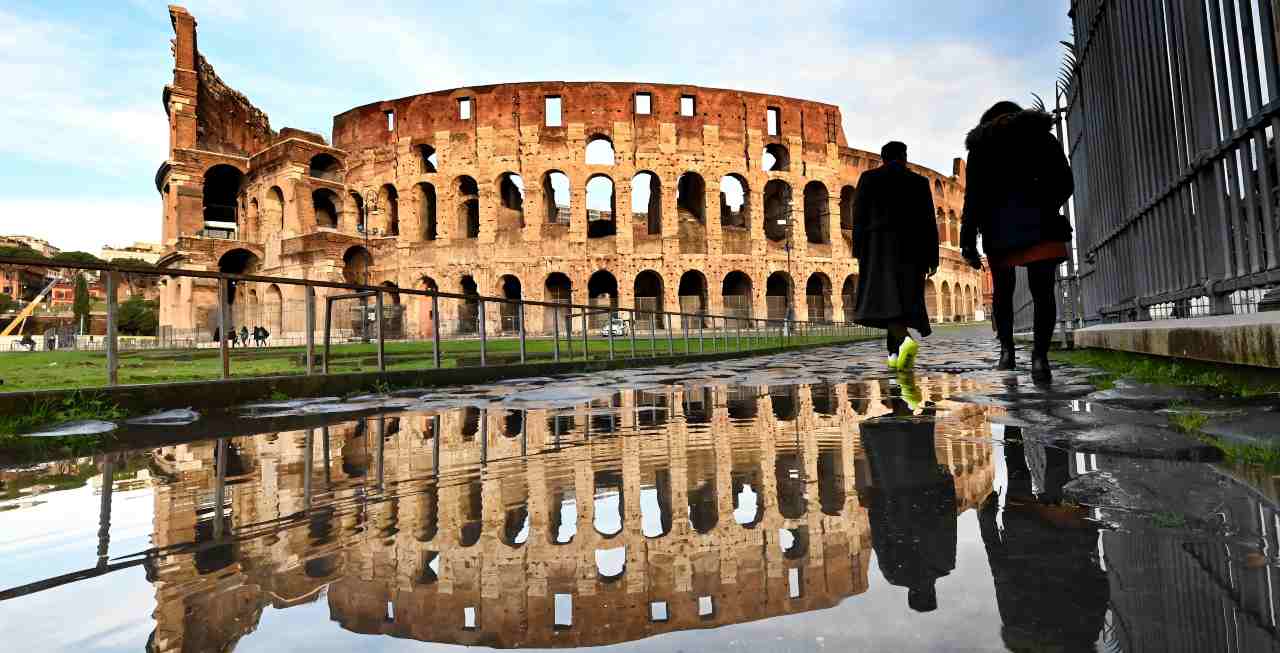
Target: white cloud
{"x":83,"y":223}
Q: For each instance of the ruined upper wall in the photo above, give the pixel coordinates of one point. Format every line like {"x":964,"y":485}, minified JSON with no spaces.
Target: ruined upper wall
{"x":595,"y":105}
{"x":204,"y":112}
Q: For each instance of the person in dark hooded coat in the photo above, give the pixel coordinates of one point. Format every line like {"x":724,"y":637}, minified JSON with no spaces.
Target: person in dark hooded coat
{"x":896,"y":243}
{"x":1017,"y":181}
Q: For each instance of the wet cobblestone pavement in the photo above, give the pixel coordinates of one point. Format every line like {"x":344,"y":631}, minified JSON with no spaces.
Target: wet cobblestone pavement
{"x":804,"y":501}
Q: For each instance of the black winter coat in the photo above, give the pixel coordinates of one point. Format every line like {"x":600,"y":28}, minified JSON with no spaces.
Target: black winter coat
{"x":1017,"y":181}
{"x":893,"y":199}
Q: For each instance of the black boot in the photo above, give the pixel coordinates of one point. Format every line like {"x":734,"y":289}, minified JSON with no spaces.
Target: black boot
{"x":1040,"y":372}
{"x":1007,"y":360}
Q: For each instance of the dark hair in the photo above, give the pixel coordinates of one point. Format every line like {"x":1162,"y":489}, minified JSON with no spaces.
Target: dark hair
{"x":894,"y":151}
{"x":1001,"y":108}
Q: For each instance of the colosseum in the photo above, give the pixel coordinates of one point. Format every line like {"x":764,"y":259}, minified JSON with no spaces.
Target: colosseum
{"x":629,"y":194}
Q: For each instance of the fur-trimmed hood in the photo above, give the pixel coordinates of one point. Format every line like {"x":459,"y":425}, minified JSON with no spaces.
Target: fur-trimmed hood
{"x":1009,"y":127}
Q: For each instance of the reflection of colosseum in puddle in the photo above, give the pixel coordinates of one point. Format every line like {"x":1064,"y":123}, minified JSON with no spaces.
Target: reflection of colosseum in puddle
{"x":722,"y":505}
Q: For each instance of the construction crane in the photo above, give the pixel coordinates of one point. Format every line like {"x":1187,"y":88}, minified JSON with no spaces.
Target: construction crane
{"x":21,"y":319}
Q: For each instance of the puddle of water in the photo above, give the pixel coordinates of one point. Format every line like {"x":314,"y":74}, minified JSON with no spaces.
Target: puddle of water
{"x":678,"y":517}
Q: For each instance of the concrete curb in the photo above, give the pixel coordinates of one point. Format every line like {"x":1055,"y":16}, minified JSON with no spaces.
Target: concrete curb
{"x":1252,"y":339}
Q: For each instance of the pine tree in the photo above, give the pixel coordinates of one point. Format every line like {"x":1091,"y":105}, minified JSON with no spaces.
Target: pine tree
{"x":82,"y":304}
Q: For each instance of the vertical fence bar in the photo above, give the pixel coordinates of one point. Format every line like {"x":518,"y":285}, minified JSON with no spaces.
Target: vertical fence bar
{"x":112,"y":344}
{"x":308,"y":467}
{"x":555,"y":331}
{"x":382,"y":349}
{"x":684,"y":325}
{"x":609,"y":329}
{"x":380,"y":452}
{"x":671,"y":345}
{"x":701,"y":345}
{"x":653,"y":336}
{"x":631,"y":329}
{"x":435,"y":329}
{"x":328,"y":324}
{"x":224,"y":324}
{"x":586,"y":337}
{"x":520,"y":326}
{"x":309,"y":292}
{"x":104,"y":510}
{"x":219,"y":485}
{"x":483,"y":337}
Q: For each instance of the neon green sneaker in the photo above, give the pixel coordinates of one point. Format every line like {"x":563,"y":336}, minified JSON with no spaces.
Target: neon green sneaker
{"x":910,"y":391}
{"x":907,"y":353}
{"x":892,"y":361}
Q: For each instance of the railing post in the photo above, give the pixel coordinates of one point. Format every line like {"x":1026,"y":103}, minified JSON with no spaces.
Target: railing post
{"x":113,"y":352}
{"x":671,"y":345}
{"x":219,"y":485}
{"x":631,"y":329}
{"x":382,"y":353}
{"x":555,"y":331}
{"x":310,"y":293}
{"x":520,"y":328}
{"x":702,"y":345}
{"x":609,"y":330}
{"x":328,"y":324}
{"x":224,"y":323}
{"x":435,"y":329}
{"x":737,"y":325}
{"x":381,"y":450}
{"x":308,"y":467}
{"x":684,"y":324}
{"x":483,"y":337}
{"x":104,"y":510}
{"x":586,"y":337}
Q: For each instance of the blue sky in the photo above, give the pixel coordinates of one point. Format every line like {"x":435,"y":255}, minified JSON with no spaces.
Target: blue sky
{"x":85,"y":128}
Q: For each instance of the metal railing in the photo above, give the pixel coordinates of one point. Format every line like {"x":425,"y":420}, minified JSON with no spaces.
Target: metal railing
{"x":633,"y":332}
{"x":1173,"y":116}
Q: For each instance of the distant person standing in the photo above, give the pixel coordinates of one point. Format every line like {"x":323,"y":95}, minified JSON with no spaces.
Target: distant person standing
{"x":244,"y":335}
{"x":896,"y":243}
{"x":1017,"y":181}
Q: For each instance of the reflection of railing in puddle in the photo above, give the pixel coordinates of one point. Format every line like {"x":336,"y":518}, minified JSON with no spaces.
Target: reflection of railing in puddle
{"x":518,"y":528}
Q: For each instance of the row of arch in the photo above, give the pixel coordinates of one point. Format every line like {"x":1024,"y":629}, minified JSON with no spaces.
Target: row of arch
{"x":224,"y":184}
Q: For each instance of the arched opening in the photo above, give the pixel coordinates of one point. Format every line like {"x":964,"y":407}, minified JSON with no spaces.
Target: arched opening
{"x":600,"y":207}
{"x":559,"y":289}
{"x":357,"y":206}
{"x":943,"y":227}
{"x":646,"y":202}
{"x":325,"y":166}
{"x":747,"y":508}
{"x":253,"y":222}
{"x":325,"y":204}
{"x":469,"y":306}
{"x":777,"y":295}
{"x":600,"y":151}
{"x":393,"y":297}
{"x":511,"y":200}
{"x":555,"y":195}
{"x":817,"y":212}
{"x":736,"y":291}
{"x":649,"y":297}
{"x":509,"y":314}
{"x":704,"y":509}
{"x":602,"y":291}
{"x":607,"y":507}
{"x":790,"y":478}
{"x":273,"y":209}
{"x":944,"y":309}
{"x":823,"y":398}
{"x":427,"y":158}
{"x":515,"y":529}
{"x":389,"y":199}
{"x":468,"y":211}
{"x":847,"y":196}
{"x":273,"y":303}
{"x":777,"y":209}
{"x":693,"y":294}
{"x":953,"y":228}
{"x":849,"y":296}
{"x":931,"y":300}
{"x":818,"y":296}
{"x":471,"y":512}
{"x":427,"y":210}
{"x":794,"y":542}
{"x":655,"y":501}
{"x":734,"y":207}
{"x":356,"y":262}
{"x":691,"y":198}
{"x":563,"y":517}
{"x":237,"y":261}
{"x":220,"y":195}
{"x":775,"y":158}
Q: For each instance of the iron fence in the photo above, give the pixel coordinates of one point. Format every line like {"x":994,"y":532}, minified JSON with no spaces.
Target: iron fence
{"x":344,"y":326}
{"x":1172,"y":111}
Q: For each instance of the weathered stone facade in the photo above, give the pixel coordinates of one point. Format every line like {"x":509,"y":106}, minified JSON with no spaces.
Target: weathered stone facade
{"x":455,"y":189}
{"x":454,"y":528}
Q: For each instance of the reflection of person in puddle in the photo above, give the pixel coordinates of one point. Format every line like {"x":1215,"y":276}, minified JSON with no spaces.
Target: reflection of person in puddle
{"x":913,"y":504}
{"x":1050,"y":588}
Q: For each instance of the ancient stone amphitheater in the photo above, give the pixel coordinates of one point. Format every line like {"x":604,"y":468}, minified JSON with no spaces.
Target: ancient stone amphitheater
{"x":645,"y":195}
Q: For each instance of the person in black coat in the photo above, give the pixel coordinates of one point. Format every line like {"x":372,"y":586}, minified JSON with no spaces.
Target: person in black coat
{"x":896,"y":243}
{"x":1018,"y":179}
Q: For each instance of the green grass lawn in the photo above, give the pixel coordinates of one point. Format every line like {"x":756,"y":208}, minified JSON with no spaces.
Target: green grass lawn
{"x":73,"y":369}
